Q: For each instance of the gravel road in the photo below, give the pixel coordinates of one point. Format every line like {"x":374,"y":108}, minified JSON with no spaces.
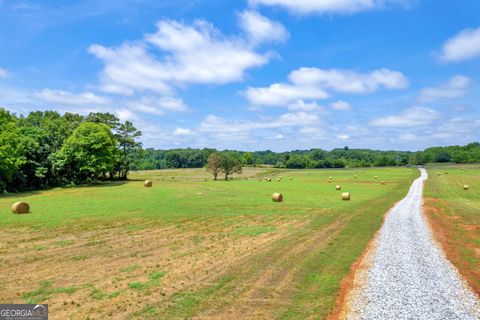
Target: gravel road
{"x":405,"y":274}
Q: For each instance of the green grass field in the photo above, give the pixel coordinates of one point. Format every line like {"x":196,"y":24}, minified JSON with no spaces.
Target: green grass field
{"x":190,"y":246}
{"x":454,"y":215}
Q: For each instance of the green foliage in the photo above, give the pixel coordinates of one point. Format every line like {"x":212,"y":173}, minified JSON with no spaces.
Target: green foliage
{"x":230,"y":165}
{"x":130,"y":149}
{"x":88,"y":154}
{"x":44,"y":292}
{"x":31,"y":146}
{"x":214,"y":161}
{"x":12,"y":156}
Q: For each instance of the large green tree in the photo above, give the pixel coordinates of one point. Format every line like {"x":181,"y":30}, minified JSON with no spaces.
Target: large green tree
{"x":88,"y":155}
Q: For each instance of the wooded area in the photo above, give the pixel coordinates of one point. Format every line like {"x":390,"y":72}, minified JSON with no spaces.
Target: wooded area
{"x":46,"y":149}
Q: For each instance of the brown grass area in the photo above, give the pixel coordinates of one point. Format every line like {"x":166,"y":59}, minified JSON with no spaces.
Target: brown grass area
{"x":454,"y":237}
{"x":101,"y":265}
{"x":267,"y":288}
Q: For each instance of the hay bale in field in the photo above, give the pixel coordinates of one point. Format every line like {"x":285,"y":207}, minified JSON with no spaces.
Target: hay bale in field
{"x":376,"y":177}
{"x":290,"y":178}
{"x":279,"y":179}
{"x":439,"y":173}
{"x":269,"y":179}
{"x":355,"y":176}
{"x":346,"y":196}
{"x":383,"y":183}
{"x":148,"y":183}
{"x":20,"y":207}
{"x":446,"y":172}
{"x":466,"y":187}
{"x":277,"y":197}
{"x":338,"y":187}
{"x":330,"y":178}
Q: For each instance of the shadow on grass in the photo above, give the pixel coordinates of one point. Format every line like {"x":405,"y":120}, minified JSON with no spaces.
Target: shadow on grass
{"x":102,"y":184}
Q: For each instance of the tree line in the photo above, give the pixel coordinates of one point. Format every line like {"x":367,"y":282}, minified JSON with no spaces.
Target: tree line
{"x":46,"y":149}
{"x":309,"y":159}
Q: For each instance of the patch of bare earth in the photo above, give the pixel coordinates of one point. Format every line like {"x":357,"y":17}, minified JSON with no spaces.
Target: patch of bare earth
{"x":101,"y":265}
{"x":267,"y":286}
{"x":457,"y":240}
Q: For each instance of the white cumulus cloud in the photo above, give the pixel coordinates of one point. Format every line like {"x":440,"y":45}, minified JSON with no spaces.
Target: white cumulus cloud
{"x":462,"y":46}
{"x":349,"y":81}
{"x":456,"y":87}
{"x":313,"y":84}
{"x":261,"y":29}
{"x":196,"y":53}
{"x":411,"y":117}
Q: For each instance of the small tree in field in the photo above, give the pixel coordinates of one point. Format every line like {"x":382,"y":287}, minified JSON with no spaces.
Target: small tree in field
{"x":230,"y":165}
{"x":214,"y":161}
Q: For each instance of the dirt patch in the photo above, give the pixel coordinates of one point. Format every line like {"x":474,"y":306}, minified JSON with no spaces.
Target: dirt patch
{"x":110,"y":270}
{"x":265,"y":290}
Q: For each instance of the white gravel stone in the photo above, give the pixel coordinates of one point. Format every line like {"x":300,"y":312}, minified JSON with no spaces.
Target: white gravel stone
{"x":408,"y":275}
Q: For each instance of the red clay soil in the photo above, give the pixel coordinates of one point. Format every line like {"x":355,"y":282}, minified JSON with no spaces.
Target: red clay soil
{"x":444,"y":229}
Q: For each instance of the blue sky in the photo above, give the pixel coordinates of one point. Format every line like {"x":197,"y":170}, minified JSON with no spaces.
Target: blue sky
{"x":253,"y":74}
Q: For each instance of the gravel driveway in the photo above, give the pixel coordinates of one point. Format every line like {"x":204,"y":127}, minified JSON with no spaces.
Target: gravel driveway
{"x":405,"y":275}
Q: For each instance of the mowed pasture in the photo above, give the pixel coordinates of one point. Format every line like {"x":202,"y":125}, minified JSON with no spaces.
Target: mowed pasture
{"x":454,"y":214}
{"x":193,"y":247}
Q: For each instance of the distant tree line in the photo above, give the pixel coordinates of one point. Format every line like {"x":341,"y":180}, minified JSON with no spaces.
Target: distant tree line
{"x":309,"y":159}
{"x":46,"y":149}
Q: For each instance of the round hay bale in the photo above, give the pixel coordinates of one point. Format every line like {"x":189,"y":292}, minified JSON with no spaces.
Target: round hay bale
{"x":330,"y":178}
{"x":383,"y":183}
{"x":20,"y":207}
{"x":148,"y":183}
{"x":346,"y":196}
{"x":269,"y":179}
{"x":290,"y":178}
{"x":376,"y":177}
{"x":446,"y":172}
{"x":279,"y":179}
{"x":355,"y":176}
{"x":329,"y":181}
{"x":277,"y":197}
{"x":338,"y":187}
{"x":466,"y":187}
